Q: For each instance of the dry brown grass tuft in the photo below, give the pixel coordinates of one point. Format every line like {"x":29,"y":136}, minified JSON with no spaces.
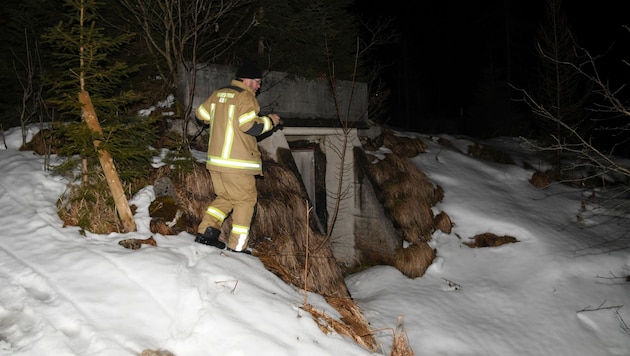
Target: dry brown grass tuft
{"x":194,"y":189}
{"x":490,"y":240}
{"x":540,"y":180}
{"x":158,"y":226}
{"x":286,"y":242}
{"x":194,"y":192}
{"x":407,"y":194}
{"x":398,"y":176}
{"x":438,"y":195}
{"x":135,"y":244}
{"x":91,"y":208}
{"x":43,"y":142}
{"x":415,"y":224}
{"x":283,"y":231}
{"x":414,"y":260}
{"x":443,"y":222}
{"x":400,"y":344}
{"x":352,"y":324}
{"x":403,"y":146}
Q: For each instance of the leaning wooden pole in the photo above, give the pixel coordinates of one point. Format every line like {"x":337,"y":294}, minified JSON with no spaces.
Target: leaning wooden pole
{"x":113,"y":181}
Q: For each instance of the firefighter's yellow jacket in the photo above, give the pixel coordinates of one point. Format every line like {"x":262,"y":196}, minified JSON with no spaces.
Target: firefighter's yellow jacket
{"x":232,"y":113}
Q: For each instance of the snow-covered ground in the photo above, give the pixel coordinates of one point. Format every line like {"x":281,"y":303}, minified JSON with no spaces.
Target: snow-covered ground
{"x":561,"y":290}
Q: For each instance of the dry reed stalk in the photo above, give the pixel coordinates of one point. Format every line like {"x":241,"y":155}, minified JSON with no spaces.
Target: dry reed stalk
{"x":352,"y":324}
{"x":400,"y":343}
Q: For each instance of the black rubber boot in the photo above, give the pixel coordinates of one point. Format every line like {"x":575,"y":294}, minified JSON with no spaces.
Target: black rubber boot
{"x":211,"y":238}
{"x":246,"y":251}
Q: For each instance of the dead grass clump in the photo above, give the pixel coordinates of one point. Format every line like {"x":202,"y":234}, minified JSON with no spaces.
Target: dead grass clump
{"x":489,"y":153}
{"x":371,"y":144}
{"x":400,"y":343}
{"x":540,"y":180}
{"x":398,"y":168}
{"x":398,"y":177}
{"x":286,"y":242}
{"x":414,"y":260}
{"x":195,"y":190}
{"x":414,"y":220}
{"x":407,"y":194}
{"x":352,"y":323}
{"x":164,"y":208}
{"x":490,"y":240}
{"x":403,"y":146}
{"x":90,"y":207}
{"x":413,"y":186}
{"x":438,"y":195}
{"x":443,"y":222}
{"x":283,"y":231}
{"x":135,"y":244}
{"x":43,"y":142}
{"x":158,"y":226}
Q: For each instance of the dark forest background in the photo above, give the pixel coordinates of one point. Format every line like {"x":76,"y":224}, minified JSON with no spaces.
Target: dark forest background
{"x":431,"y":66}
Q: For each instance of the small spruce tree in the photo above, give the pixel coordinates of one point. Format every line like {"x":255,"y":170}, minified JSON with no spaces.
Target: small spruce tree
{"x":84,"y":59}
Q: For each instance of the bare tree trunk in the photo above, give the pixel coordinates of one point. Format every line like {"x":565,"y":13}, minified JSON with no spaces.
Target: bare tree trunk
{"x":30,"y":95}
{"x":113,"y":181}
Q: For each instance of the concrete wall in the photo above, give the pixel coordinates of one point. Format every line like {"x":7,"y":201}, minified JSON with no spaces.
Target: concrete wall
{"x":294,"y":98}
{"x":332,"y":143}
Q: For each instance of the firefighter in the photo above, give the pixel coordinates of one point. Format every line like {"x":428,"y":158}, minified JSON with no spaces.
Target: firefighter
{"x":234,"y":160}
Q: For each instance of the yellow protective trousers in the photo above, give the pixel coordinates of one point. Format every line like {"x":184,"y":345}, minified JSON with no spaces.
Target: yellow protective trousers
{"x":236,"y":194}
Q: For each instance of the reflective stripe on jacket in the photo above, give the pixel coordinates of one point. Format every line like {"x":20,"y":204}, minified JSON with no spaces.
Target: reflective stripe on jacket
{"x":231,"y":112}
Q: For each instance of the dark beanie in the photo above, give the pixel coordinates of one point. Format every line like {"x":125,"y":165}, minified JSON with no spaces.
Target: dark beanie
{"x":248,"y":70}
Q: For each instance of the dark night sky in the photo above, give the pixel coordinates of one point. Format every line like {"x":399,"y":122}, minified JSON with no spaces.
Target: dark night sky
{"x":448,"y":46}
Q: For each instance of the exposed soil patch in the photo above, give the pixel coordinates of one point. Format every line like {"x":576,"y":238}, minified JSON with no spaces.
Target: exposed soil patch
{"x":490,"y":240}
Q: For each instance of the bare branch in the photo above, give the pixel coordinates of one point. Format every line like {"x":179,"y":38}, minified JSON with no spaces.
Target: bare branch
{"x":590,"y":156}
{"x":183,"y":32}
